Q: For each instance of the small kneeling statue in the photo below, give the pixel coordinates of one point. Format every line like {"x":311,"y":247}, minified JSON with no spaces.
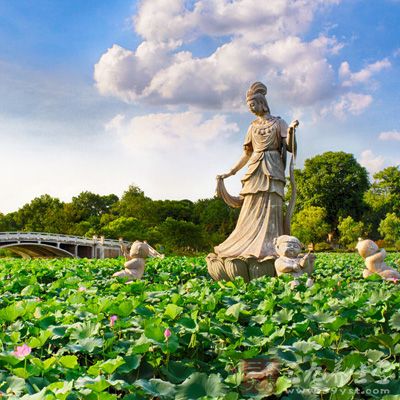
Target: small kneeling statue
{"x":136,"y":260}
{"x":375,"y":261}
{"x":290,"y":260}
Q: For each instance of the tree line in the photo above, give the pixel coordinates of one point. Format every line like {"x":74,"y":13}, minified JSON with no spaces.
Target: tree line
{"x":335,"y":200}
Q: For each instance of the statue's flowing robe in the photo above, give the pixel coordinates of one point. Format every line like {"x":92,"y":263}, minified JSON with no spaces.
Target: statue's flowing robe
{"x":261,"y":216}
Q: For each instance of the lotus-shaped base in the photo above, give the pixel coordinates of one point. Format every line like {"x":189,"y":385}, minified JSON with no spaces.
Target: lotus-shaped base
{"x":230,"y":268}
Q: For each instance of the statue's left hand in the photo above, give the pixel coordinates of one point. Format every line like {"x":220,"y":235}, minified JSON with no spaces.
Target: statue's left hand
{"x":294,"y":124}
{"x":223,"y":176}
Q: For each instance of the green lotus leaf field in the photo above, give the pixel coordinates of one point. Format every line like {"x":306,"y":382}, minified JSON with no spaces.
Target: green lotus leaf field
{"x":69,"y":330}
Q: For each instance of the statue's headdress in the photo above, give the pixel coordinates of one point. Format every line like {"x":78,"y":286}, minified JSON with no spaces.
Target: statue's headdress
{"x":256,"y":88}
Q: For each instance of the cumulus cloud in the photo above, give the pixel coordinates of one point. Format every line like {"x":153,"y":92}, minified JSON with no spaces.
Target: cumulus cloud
{"x":260,"y":42}
{"x":371,"y":162}
{"x":252,"y":41}
{"x":185,"y":130}
{"x":390,"y":135}
{"x":349,"y":103}
{"x":364,"y":75}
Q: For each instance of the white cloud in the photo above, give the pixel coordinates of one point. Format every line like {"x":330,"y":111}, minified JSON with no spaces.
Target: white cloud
{"x":263,"y":44}
{"x":349,"y":103}
{"x":364,"y":75}
{"x":371,"y":162}
{"x":173,"y":21}
{"x":178,"y":131}
{"x":175,"y":155}
{"x":252,"y":41}
{"x":390,"y":135}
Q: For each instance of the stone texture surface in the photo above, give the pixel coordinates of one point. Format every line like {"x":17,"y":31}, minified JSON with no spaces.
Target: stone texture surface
{"x":136,"y":260}
{"x":250,"y":247}
{"x":375,"y":261}
{"x":290,"y":260}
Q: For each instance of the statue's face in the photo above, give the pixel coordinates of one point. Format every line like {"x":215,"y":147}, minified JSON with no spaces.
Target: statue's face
{"x":289,"y":249}
{"x":255,"y":106}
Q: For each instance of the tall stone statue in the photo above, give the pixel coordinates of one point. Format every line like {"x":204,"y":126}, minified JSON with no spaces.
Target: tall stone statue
{"x":249,"y":251}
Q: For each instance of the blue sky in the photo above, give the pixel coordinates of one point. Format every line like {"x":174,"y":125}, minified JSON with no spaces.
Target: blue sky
{"x":96,"y":95}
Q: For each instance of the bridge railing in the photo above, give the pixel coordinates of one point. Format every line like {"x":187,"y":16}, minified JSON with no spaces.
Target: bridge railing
{"x":58,"y":237}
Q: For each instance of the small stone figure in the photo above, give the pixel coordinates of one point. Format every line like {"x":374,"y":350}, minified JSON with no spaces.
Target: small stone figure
{"x":290,"y":260}
{"x":136,"y":260}
{"x":375,"y":261}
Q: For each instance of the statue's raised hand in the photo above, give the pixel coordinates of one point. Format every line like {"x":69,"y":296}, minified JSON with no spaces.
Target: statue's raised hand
{"x":293,"y":125}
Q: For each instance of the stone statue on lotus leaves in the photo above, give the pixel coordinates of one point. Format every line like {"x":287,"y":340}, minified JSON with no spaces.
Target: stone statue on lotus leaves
{"x":249,"y":251}
{"x":375,"y":261}
{"x":136,"y":260}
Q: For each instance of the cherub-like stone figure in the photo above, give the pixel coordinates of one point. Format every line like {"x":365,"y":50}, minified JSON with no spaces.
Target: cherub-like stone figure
{"x":290,"y":260}
{"x":136,"y":260}
{"x":375,"y":261}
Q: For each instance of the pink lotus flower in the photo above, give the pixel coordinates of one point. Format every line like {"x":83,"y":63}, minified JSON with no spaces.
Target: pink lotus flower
{"x":113,"y":318}
{"x":82,"y":289}
{"x":167,"y":333}
{"x":22,"y":351}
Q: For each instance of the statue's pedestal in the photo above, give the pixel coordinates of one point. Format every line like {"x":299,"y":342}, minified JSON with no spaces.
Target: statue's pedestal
{"x":231,"y":267}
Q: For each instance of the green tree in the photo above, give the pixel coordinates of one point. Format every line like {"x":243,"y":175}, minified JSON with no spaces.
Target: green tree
{"x":384,"y":193}
{"x":88,"y":205}
{"x":84,"y":212}
{"x":389,"y":228}
{"x":350,"y":231}
{"x":180,"y":210}
{"x":8,"y":222}
{"x":3,"y":223}
{"x":128,"y":228}
{"x":310,"y":226}
{"x":134,"y":203}
{"x":216,"y":219}
{"x":178,"y":236}
{"x":334,"y":181}
{"x":43,"y":214}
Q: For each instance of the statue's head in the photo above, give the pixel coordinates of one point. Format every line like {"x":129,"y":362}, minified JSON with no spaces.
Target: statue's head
{"x":288,"y":246}
{"x":367,"y":248}
{"x":139,"y":249}
{"x":255,"y":98}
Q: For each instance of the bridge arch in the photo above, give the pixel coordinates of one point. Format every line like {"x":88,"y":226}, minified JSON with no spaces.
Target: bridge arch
{"x":43,"y":244}
{"x":33,"y":250}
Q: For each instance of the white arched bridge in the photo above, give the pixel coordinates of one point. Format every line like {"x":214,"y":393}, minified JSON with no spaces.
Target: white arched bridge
{"x":40,"y":244}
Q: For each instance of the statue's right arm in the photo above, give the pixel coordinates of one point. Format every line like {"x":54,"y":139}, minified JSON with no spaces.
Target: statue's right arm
{"x":379,"y":256}
{"x":284,"y":267}
{"x":239,"y":165}
{"x":124,"y":250}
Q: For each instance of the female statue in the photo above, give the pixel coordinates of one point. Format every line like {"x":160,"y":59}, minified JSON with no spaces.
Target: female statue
{"x":261,"y":218}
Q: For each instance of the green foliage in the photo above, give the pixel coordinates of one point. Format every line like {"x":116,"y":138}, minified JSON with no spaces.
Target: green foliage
{"x":389,"y":228}
{"x":350,"y":231}
{"x":384,"y":194}
{"x":42,"y":214}
{"x":309,"y":225}
{"x":127,"y":227}
{"x":382,"y":198}
{"x":134,"y":204}
{"x":334,"y":181}
{"x":330,"y":187}
{"x":181,"y":235}
{"x":336,"y":339}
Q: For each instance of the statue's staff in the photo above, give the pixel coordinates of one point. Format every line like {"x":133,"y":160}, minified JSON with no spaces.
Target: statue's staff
{"x":290,"y":209}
